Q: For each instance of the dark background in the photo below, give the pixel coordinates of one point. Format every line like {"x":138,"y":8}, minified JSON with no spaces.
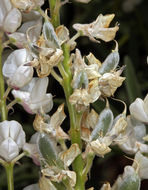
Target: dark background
{"x":133,"y":47}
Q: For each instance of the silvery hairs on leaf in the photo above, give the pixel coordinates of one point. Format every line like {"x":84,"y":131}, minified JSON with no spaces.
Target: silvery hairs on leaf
{"x":47,"y":52}
{"x":103,"y":131}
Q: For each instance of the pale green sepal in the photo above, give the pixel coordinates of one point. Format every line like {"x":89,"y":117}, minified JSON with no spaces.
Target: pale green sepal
{"x":50,"y":35}
{"x":104,"y":123}
{"x":110,"y":63}
{"x":48,"y":150}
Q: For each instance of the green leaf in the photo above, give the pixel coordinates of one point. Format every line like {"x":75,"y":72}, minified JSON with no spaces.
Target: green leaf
{"x":48,"y":150}
{"x":50,"y":35}
{"x":110,"y":63}
{"x":132,"y":84}
{"x":104,"y":123}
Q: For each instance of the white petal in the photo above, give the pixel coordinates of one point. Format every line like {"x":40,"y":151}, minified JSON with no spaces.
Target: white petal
{"x":134,"y":133}
{"x":137,"y":110}
{"x":8,"y":149}
{"x":31,"y":148}
{"x":146,"y":104}
{"x":34,"y":138}
{"x":32,"y":15}
{"x":33,"y":28}
{"x":142,"y":162}
{"x":30,"y":85}
{"x":45,"y":104}
{"x":4,"y":129}
{"x":24,"y":96}
{"x":32,"y":187}
{"x":13,"y":20}
{"x":39,"y":90}
{"x":14,"y":60}
{"x":17,"y":133}
{"x":23,"y":75}
{"x":5,"y":7}
{"x":15,"y":128}
{"x":20,"y":140}
{"x":20,"y":39}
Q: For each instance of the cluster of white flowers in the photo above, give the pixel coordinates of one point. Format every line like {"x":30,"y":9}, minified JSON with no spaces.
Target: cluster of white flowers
{"x":39,"y":47}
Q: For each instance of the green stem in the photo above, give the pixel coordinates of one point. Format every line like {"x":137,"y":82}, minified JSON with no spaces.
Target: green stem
{"x":2,"y":86}
{"x":75,"y":118}
{"x":66,"y":64}
{"x":55,"y":12}
{"x":9,"y":172}
{"x":75,"y":123}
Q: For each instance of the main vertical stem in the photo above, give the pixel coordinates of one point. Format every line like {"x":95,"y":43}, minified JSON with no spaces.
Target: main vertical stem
{"x":75,"y":118}
{"x":9,"y":172}
{"x":2,"y":85}
{"x":55,"y":12}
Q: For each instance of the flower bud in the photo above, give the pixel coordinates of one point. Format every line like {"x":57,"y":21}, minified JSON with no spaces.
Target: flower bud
{"x":14,"y":69}
{"x":12,"y":139}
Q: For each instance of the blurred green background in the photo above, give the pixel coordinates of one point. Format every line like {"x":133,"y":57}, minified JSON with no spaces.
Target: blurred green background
{"x":133,"y":47}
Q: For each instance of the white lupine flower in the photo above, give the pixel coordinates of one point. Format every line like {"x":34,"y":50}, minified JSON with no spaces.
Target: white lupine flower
{"x":32,"y":24}
{"x":128,"y":180}
{"x":133,"y":136}
{"x":12,"y":139}
{"x":32,"y":148}
{"x":139,"y":109}
{"x":32,"y":187}
{"x":27,"y":4}
{"x":7,"y":12}
{"x":141,"y":163}
{"x":14,"y":69}
{"x":34,"y":97}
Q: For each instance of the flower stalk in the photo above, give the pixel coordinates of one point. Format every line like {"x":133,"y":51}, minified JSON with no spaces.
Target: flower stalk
{"x":2,"y":85}
{"x":9,"y":172}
